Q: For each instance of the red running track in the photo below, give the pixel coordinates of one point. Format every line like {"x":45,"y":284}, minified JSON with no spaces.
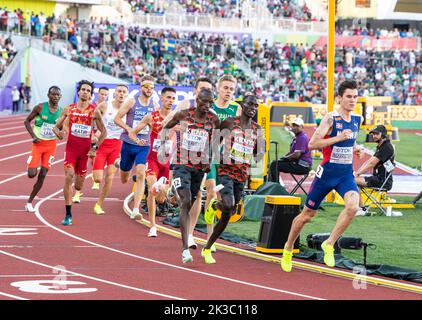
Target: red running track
{"x":111,"y":257}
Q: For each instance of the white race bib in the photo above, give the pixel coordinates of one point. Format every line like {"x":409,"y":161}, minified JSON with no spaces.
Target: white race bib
{"x":241,"y":153}
{"x":145,"y":130}
{"x":157,"y":144}
{"x":47,"y":131}
{"x":389,"y":166}
{"x":81,"y":130}
{"x":342,"y":155}
{"x":319,"y":171}
{"x":195,"y":140}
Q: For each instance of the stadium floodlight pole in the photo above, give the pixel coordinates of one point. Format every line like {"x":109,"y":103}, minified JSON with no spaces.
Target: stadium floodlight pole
{"x":330,"y":54}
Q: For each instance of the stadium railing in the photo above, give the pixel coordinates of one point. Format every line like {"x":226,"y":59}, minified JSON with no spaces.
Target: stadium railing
{"x":212,"y":23}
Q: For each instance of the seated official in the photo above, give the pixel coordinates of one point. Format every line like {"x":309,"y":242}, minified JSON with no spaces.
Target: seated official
{"x":378,"y":162}
{"x":298,"y":161}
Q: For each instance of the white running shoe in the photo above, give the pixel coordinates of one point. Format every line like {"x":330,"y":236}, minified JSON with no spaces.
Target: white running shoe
{"x":152,"y":232}
{"x":186,"y":256}
{"x":29,"y":207}
{"x":362,"y":212}
{"x":135,"y":214}
{"x":191,"y":242}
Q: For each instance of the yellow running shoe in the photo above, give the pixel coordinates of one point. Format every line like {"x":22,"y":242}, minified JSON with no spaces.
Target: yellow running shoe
{"x":286,"y":260}
{"x":328,"y":254}
{"x":210,"y":212}
{"x":95,"y":186}
{"x":77,"y":197}
{"x":213,"y":248}
{"x":206,"y":253}
{"x":98,"y":210}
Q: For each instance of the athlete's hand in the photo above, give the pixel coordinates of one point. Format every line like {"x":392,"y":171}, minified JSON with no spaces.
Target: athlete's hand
{"x":141,"y":142}
{"x":132,"y":136}
{"x":345,"y":134}
{"x":58,"y":133}
{"x":91,"y":153}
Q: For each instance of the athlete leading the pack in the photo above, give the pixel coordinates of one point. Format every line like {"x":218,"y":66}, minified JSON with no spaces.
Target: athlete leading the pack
{"x":336,"y":136}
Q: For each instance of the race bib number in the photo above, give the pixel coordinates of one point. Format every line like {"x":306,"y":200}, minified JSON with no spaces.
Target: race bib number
{"x":157,"y":144}
{"x":195,"y":140}
{"x":145,"y":130}
{"x":319,"y":171}
{"x":47,"y":131}
{"x":241,"y":153}
{"x":342,"y":155}
{"x":81,"y":130}
{"x":389,"y":166}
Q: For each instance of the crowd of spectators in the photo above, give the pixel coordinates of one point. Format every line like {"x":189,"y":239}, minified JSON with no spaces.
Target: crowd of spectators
{"x":227,"y":8}
{"x":280,"y":71}
{"x":7,"y":53}
{"x":298,"y":72}
{"x":378,"y":32}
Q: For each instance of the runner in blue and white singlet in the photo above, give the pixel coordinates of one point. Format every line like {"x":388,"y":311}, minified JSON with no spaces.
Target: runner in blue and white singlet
{"x":336,"y":136}
{"x":135,"y":152}
{"x":335,"y":172}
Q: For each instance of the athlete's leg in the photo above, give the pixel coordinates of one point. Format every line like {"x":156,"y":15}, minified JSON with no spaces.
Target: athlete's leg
{"x":38,"y":185}
{"x":151,"y":179}
{"x":106,"y":187}
{"x":297,"y":225}
{"x":351,"y":206}
{"x":227,"y":205}
{"x":140,"y":185}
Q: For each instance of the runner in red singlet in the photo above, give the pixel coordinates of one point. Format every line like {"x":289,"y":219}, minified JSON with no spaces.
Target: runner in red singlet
{"x":81,"y":117}
{"x":156,"y":170}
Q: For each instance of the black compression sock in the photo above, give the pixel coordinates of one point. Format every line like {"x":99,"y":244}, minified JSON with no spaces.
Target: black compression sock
{"x":68,"y":211}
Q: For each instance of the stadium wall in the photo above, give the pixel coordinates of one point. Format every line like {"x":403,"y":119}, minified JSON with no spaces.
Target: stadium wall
{"x":63,"y":73}
{"x":47,"y":7}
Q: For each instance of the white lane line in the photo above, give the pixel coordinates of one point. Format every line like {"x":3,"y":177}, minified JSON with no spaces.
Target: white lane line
{"x":15,"y":143}
{"x":89,"y":277}
{"x":13,"y":134}
{"x":12,"y":296}
{"x":25,"y":173}
{"x":11,"y":128}
{"x":25,"y":153}
{"x":41,"y":218}
{"x":30,"y":275}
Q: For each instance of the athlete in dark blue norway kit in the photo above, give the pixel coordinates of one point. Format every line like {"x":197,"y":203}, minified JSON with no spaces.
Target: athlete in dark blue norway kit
{"x":335,"y":171}
{"x":336,"y":136}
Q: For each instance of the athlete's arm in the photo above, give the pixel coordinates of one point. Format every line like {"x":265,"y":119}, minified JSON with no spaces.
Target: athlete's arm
{"x":225,"y":128}
{"x":100,"y":126}
{"x":102,"y":107}
{"x":369,"y":164}
{"x":318,"y":142}
{"x":35,"y":112}
{"x":261,"y":145}
{"x":184,"y":105}
{"x":147,"y":120}
{"x":124,"y":109}
{"x":60,"y":124}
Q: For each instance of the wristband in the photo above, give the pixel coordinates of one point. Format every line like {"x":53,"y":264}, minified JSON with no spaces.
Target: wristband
{"x":94,"y":146}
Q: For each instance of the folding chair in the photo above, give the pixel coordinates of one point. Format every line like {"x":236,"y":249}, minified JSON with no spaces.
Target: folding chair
{"x":299,"y":183}
{"x":373,"y":194}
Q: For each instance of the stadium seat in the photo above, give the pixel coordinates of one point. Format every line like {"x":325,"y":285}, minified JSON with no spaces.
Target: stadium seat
{"x":376,"y":195}
{"x":299,"y":183}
